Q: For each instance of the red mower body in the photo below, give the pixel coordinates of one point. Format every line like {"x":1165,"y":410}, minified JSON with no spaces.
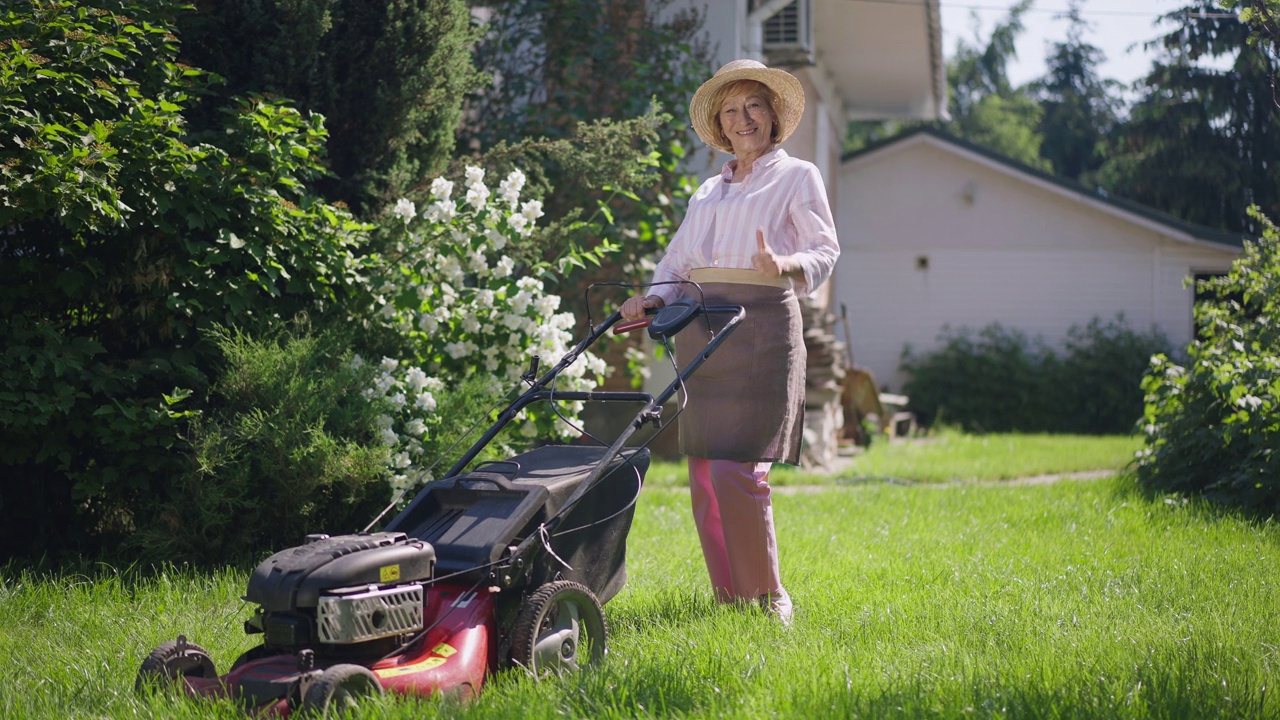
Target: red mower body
{"x":452,"y":658}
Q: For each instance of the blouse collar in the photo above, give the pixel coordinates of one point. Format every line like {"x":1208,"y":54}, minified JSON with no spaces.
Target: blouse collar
{"x":763,"y":161}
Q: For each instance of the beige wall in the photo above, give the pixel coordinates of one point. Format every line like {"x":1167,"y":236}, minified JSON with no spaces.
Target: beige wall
{"x":998,"y":248}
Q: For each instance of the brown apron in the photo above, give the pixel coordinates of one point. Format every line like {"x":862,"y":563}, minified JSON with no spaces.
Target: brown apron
{"x":746,"y":402}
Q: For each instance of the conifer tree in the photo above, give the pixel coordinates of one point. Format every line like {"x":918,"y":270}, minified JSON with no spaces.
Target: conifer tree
{"x":1079,"y":107}
{"x":1202,"y":143}
{"x":388,"y":77}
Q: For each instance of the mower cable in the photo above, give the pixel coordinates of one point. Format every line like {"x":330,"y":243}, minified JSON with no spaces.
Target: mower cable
{"x":630,"y":504}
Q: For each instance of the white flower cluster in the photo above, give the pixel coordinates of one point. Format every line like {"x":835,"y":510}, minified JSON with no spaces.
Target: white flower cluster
{"x":469,"y":311}
{"x":409,"y":394}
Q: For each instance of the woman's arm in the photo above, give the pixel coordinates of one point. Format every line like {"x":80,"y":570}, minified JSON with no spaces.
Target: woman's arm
{"x":818,"y":248}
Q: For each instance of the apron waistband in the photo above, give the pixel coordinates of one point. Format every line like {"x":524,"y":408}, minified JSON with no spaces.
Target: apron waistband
{"x":737,"y":275}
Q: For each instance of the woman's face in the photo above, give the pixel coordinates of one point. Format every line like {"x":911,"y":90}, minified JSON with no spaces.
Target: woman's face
{"x":745,"y":118}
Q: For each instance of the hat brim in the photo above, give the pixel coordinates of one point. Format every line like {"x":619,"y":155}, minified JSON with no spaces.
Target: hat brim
{"x":785,"y":87}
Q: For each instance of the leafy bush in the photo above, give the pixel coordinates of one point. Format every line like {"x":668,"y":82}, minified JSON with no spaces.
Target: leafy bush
{"x":1097,"y":381}
{"x":983,"y":382}
{"x":302,"y":434}
{"x":997,"y":380}
{"x":1212,"y":424}
{"x":125,"y":239}
{"x":287,"y":447}
{"x":452,"y":293}
{"x":120,"y":237}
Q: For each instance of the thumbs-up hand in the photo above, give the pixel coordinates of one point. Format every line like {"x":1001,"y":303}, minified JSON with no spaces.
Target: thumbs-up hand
{"x":769,"y":263}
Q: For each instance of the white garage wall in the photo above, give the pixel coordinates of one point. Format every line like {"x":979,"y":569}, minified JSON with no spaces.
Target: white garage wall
{"x":1000,"y":246}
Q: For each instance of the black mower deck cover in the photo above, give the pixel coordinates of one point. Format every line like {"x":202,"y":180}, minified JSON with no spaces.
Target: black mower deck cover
{"x":295,"y":578}
{"x":473,"y":518}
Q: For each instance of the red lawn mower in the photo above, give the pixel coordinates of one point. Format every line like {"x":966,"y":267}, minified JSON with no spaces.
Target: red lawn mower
{"x":506,"y":564}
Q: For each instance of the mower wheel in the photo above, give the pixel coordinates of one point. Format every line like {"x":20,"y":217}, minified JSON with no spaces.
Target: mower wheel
{"x":173,"y":660}
{"x":339,"y":688}
{"x":560,"y":628}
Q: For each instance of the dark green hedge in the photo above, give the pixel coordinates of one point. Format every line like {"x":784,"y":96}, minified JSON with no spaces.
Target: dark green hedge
{"x":998,"y":380}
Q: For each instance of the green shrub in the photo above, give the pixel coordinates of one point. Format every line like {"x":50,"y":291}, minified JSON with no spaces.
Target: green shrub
{"x":998,"y":380}
{"x":1212,"y":424}
{"x":122,"y":236}
{"x":986,"y":381}
{"x":288,"y":446}
{"x":126,"y":235}
{"x":1097,"y":381}
{"x":291,"y":444}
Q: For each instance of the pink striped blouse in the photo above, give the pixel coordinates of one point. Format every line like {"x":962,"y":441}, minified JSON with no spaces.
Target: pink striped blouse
{"x":784,"y":195}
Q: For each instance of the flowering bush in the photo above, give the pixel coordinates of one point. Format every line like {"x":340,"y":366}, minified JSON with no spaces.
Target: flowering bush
{"x":469,"y":311}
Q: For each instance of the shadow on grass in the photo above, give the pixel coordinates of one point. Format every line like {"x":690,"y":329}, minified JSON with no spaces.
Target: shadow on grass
{"x":1127,"y":487}
{"x":129,"y":577}
{"x":665,"y":609}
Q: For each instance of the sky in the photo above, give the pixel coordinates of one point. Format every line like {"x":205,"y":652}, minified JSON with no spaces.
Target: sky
{"x":1117,"y":27}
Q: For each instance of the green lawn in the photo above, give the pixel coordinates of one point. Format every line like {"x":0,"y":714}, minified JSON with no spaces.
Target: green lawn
{"x":951,"y":457}
{"x":1063,"y":600}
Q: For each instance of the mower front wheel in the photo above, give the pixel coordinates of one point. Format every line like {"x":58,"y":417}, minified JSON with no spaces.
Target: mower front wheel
{"x":339,"y":688}
{"x":560,"y":628}
{"x":172,"y":661}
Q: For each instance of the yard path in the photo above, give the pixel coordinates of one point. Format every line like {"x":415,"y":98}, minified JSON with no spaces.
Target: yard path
{"x":1029,"y":480}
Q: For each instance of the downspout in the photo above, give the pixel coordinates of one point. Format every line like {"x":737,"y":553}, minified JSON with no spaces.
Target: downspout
{"x":933,"y":22}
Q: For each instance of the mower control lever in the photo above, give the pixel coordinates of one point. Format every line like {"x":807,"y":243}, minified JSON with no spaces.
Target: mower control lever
{"x":650,"y":416}
{"x":532,"y":373}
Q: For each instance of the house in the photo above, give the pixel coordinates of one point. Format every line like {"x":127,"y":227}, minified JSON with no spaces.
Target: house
{"x":939,"y":232}
{"x":856,"y":61}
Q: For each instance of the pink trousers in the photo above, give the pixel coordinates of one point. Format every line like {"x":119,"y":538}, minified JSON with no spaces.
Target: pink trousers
{"x":733,"y":510}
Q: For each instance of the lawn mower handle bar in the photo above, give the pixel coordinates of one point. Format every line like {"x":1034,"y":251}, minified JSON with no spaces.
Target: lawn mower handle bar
{"x":537,"y":392}
{"x":738,"y":313}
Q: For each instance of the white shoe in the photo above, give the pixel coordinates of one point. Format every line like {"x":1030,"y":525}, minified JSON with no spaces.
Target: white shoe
{"x":779,"y":606}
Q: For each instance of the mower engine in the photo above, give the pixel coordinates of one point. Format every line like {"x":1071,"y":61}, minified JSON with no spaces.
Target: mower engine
{"x":336,"y":593}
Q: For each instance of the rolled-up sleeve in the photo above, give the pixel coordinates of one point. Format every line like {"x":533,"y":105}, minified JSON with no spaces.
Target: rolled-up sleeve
{"x":818,"y":248}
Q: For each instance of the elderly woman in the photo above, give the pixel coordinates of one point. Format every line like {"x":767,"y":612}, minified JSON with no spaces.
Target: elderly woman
{"x":759,"y":234}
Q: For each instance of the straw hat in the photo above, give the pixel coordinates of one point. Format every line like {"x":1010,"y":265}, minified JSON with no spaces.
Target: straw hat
{"x":787,"y":100}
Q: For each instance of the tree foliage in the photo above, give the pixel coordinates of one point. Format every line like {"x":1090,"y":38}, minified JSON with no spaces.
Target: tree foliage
{"x":1080,"y":109}
{"x":389,"y":79}
{"x":1263,"y":17}
{"x":984,"y":105}
{"x":1202,"y":143}
{"x":612,"y":74}
{"x":120,"y":239}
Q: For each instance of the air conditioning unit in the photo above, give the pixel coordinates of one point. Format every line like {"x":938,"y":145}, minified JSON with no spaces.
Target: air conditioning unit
{"x":788,"y":35}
